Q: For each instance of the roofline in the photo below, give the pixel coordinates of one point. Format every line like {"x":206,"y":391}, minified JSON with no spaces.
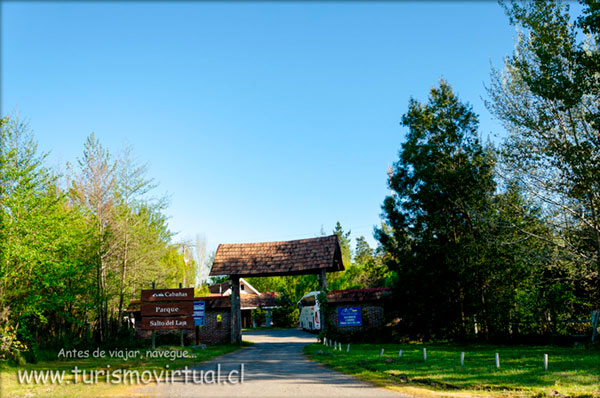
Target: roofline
{"x":250,"y":286}
{"x":337,"y":261}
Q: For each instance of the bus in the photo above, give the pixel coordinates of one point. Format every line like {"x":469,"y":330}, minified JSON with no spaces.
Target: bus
{"x":310,"y":316}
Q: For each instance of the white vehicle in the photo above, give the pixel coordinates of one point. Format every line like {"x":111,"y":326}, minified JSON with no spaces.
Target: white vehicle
{"x":310,"y":316}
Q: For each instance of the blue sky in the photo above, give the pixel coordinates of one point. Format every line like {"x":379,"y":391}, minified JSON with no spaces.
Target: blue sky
{"x":263,"y":121}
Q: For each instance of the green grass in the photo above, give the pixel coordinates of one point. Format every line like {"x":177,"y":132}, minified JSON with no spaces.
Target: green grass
{"x":573,"y":372}
{"x":10,"y":386}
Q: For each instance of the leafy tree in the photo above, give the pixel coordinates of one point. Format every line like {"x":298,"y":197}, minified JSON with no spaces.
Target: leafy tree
{"x":93,"y":189}
{"x":374,"y":273}
{"x":442,"y":185}
{"x":345,"y":242}
{"x":547,"y":98}
{"x":363,"y":252}
{"x":43,"y":245}
{"x":69,"y":260}
{"x":353,"y":275}
{"x":131,"y":187}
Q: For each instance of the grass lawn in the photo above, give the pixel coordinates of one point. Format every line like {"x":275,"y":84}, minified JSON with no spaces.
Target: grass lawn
{"x":572,"y":371}
{"x":10,"y":386}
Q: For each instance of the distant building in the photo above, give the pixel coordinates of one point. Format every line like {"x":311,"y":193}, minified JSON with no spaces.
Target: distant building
{"x":250,"y":299}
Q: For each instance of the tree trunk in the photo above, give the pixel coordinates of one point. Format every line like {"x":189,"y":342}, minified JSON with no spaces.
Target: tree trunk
{"x":123,"y":273}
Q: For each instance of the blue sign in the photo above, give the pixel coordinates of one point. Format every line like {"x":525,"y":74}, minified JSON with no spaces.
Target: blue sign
{"x":349,"y":316}
{"x":199,"y":307}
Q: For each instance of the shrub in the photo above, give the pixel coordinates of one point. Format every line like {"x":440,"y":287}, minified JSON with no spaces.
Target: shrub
{"x":10,"y":347}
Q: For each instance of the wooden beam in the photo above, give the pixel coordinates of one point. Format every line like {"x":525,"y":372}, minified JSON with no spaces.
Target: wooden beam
{"x":236,"y":311}
{"x":323,"y":279}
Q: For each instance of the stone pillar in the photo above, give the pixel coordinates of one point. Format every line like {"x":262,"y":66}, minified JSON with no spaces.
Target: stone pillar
{"x":236,"y":311}
{"x":323,"y":279}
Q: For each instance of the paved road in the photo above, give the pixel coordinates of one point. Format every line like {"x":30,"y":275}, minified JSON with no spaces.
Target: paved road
{"x":273,"y":367}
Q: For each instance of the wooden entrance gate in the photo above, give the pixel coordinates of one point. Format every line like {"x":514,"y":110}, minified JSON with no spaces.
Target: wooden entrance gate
{"x":295,"y":257}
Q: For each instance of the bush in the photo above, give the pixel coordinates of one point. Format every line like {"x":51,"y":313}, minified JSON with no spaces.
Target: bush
{"x":10,"y":347}
{"x":287,"y":314}
{"x":259,"y":316}
{"x":325,"y":310}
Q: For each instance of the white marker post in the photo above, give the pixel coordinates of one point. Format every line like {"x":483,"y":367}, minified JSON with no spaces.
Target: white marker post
{"x":340,"y":346}
{"x":497,"y":360}
{"x":381,"y":353}
{"x":462,"y":358}
{"x":324,"y":340}
{"x":348,"y":348}
{"x":546,"y":362}
{"x":400,"y":354}
{"x":424,"y":354}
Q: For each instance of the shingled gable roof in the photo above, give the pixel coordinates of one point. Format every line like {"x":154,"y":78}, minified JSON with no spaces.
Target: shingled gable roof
{"x":293,"y":257}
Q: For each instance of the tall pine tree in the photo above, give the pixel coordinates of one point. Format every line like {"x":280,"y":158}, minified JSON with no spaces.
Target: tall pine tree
{"x":441,"y":188}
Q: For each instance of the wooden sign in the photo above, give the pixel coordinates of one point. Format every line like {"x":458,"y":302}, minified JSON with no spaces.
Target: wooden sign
{"x":180,"y":322}
{"x":168,"y":294}
{"x":170,"y":309}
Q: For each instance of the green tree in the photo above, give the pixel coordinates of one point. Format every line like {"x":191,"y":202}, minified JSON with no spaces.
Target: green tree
{"x":131,"y":188}
{"x":45,"y":258}
{"x":442,"y":185}
{"x":351,"y":276}
{"x":93,"y":189}
{"x":363,"y":252}
{"x":345,"y":242}
{"x":547,"y":98}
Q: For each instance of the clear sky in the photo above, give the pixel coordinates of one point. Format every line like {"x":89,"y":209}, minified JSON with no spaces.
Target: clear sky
{"x":263,"y":121}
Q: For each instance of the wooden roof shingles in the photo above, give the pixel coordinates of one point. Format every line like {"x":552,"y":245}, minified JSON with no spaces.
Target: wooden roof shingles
{"x":252,"y":301}
{"x":293,"y":257}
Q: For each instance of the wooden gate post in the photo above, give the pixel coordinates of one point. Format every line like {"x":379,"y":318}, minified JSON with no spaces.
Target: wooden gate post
{"x":323,"y":279}
{"x":236,"y":311}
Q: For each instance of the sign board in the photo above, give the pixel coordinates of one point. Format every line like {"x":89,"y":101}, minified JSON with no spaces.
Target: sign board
{"x":168,"y":294}
{"x":349,"y":316}
{"x":180,"y":322}
{"x":199,"y":311}
{"x":169,"y":309}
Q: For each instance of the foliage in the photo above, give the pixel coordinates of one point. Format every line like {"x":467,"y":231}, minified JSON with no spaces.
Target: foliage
{"x":325,"y":312}
{"x":436,"y":217}
{"x":286,"y":314}
{"x":10,"y":347}
{"x":71,"y":257}
{"x":547,"y":98}
{"x":45,"y":253}
{"x":365,"y":270}
{"x":259,"y":316}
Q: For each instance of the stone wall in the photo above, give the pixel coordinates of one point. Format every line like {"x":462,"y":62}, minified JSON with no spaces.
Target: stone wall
{"x":214,"y":332}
